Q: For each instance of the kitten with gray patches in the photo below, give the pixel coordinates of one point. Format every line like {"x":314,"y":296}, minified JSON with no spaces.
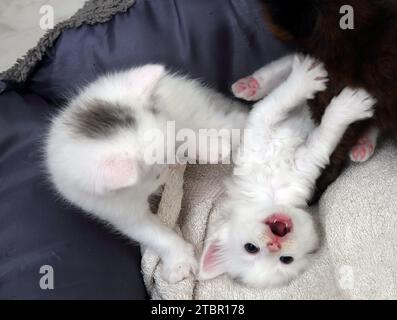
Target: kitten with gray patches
{"x":96,"y":151}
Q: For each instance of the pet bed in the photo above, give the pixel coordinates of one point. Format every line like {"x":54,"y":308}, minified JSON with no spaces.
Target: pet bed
{"x":217,"y":41}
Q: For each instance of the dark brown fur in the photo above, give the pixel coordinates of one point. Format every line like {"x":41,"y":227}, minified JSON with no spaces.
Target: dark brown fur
{"x":365,"y":57}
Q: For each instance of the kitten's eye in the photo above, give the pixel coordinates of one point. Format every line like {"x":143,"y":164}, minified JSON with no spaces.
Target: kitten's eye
{"x":286,"y":260}
{"x":251,"y":248}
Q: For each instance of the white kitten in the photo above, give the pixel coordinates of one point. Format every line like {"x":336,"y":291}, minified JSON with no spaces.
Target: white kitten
{"x":265,"y":236}
{"x":96,"y":151}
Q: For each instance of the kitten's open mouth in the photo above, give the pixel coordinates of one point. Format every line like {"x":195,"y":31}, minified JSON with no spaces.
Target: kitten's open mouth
{"x":279,"y":224}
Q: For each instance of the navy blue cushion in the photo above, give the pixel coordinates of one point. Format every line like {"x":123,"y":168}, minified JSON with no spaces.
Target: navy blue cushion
{"x":217,"y":41}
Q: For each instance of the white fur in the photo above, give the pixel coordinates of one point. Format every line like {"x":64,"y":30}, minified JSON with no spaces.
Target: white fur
{"x":109,"y":177}
{"x":276,"y":173}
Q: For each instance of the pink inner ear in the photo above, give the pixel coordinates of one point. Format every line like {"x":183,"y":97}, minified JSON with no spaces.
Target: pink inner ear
{"x":145,"y":79}
{"x":211,"y":257}
{"x":117,"y":172}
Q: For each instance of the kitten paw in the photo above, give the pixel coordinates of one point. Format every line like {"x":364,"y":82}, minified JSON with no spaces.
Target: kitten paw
{"x":362,"y":151}
{"x":310,"y":75}
{"x":354,"y":104}
{"x":246,"y":89}
{"x":180,"y":266}
{"x":365,"y":147}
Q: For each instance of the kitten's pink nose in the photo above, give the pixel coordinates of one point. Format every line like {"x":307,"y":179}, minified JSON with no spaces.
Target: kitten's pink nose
{"x":274,"y":246}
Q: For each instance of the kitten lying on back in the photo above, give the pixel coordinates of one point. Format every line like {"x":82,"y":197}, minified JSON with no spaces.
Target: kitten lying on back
{"x":265,"y":236}
{"x":96,"y":151}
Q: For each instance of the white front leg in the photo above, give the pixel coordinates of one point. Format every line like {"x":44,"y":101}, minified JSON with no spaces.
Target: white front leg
{"x":350,"y":106}
{"x":176,"y":254}
{"x":307,"y":78}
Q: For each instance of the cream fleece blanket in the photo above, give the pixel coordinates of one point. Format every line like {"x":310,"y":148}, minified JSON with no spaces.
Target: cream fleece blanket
{"x":357,"y":215}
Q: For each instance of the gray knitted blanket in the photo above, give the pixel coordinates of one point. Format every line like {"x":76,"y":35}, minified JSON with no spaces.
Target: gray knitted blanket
{"x":93,"y":11}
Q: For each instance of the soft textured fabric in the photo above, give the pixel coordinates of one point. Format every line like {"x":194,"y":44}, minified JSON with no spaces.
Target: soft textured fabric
{"x":93,"y":12}
{"x":357,"y":219}
{"x":217,"y":41}
{"x":19,"y":27}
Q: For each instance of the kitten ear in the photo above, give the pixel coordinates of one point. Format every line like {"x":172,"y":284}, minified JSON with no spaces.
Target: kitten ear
{"x":212,"y":264}
{"x":145,"y":79}
{"x":116,"y":172}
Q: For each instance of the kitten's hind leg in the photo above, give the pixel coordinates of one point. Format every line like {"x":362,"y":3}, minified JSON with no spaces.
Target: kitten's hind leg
{"x":365,"y":147}
{"x":263,"y":81}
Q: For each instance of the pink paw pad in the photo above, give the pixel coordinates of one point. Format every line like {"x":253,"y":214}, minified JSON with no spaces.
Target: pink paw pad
{"x":363,"y":150}
{"x":246,"y":88}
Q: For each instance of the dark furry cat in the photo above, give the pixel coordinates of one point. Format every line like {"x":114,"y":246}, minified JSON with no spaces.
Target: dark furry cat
{"x":365,"y":57}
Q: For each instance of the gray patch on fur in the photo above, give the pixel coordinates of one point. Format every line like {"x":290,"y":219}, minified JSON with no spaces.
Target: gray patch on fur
{"x":155,"y":198}
{"x":101,"y":119}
